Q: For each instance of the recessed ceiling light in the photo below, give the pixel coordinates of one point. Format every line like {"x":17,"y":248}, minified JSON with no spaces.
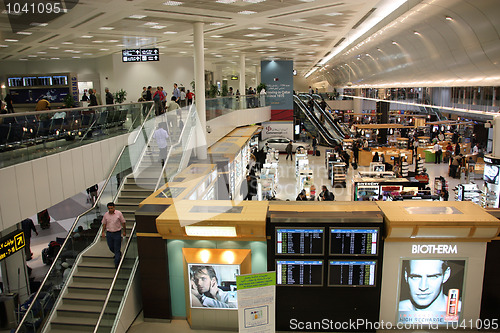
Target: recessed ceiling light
{"x":173,"y":3}
{"x":217,"y":23}
{"x":161,"y":47}
{"x":170,"y":32}
{"x":87,"y":36}
{"x":298,"y":20}
{"x":36,"y":24}
{"x":113,"y":41}
{"x":67,"y":43}
{"x":249,"y":35}
{"x":231,"y":44}
{"x":103,"y":49}
{"x":247,"y":12}
{"x":218,"y":56}
{"x":255,"y":28}
{"x":69,"y":51}
{"x":26,"y":33}
{"x":188,"y":41}
{"x":226,"y":1}
{"x":254,"y":1}
{"x":158,"y":27}
{"x":12,"y":40}
{"x":183,"y":52}
{"x":32,"y":56}
{"x":106,"y":28}
{"x":97,"y":41}
{"x":76,"y":57}
{"x":1,"y":45}
{"x":77,"y":51}
{"x":416,"y":32}
{"x":449,"y":18}
{"x":151,"y":23}
{"x":307,"y":0}
{"x":23,"y":59}
{"x":262,"y":40}
{"x":42,"y":52}
{"x":55,"y":58}
{"x":217,"y":36}
{"x":394,"y":43}
{"x":87,"y":53}
{"x":328,"y":24}
{"x":333,"y":14}
{"x":137,"y":16}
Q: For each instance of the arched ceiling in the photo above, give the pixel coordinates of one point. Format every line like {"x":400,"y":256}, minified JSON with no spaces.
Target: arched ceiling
{"x":436,"y":43}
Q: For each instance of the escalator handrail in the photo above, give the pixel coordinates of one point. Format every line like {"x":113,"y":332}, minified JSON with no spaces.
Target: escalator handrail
{"x":327,"y":116}
{"x":324,"y":133}
{"x":35,"y":298}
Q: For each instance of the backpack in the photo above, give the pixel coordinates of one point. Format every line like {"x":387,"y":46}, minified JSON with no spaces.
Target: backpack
{"x":156,"y":97}
{"x":331,"y":196}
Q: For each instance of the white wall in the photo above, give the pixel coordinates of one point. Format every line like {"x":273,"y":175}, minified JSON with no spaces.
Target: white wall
{"x":32,"y":186}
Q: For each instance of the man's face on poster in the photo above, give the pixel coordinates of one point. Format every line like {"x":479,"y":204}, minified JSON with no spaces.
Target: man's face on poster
{"x":425,"y":280}
{"x":202,"y":281}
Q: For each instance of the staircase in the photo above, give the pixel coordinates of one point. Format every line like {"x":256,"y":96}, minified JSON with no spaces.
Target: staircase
{"x":83,"y":298}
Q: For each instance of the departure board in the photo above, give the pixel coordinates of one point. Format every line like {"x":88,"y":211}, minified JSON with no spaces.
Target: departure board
{"x":299,"y":272}
{"x":352,"y":273}
{"x":140,"y":55}
{"x":303,"y":241}
{"x":353,"y":241}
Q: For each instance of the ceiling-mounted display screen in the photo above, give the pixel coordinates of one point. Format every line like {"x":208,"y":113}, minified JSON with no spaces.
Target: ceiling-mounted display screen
{"x":140,"y":55}
{"x":299,"y":272}
{"x":354,"y":241}
{"x":352,"y":273}
{"x":303,"y":241}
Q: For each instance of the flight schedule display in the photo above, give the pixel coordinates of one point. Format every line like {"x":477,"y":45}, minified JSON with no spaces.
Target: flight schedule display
{"x":140,"y":55}
{"x":353,"y":241}
{"x":352,"y":273}
{"x":299,"y":272}
{"x":304,"y":241}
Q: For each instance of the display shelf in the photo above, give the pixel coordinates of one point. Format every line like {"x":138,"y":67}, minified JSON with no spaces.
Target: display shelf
{"x":301,"y":162}
{"x":268,"y":182}
{"x":305,"y":181}
{"x":347,"y":144}
{"x":404,"y":169}
{"x":402,"y":143}
{"x":468,"y":192}
{"x":424,"y":141}
{"x":419,"y":166}
{"x":338,"y":174}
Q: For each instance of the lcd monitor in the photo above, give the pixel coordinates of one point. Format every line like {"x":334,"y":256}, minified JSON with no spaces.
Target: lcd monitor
{"x":352,"y":273}
{"x":299,"y":272}
{"x":354,"y":241}
{"x":302,"y":241}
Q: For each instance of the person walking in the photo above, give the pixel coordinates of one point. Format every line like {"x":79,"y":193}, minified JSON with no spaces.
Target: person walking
{"x":314,"y":145}
{"x":109,"y":96}
{"x":27,"y":225}
{"x":161,"y":136}
{"x":288,"y":150}
{"x":113,"y":223}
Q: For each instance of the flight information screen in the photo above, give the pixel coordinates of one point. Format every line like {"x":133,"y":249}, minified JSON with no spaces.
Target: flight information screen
{"x":140,"y":55}
{"x":352,"y":272}
{"x":299,"y":272}
{"x":300,"y":241}
{"x":353,"y":241}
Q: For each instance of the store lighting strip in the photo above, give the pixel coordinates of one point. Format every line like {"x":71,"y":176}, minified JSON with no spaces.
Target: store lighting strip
{"x":204,"y":231}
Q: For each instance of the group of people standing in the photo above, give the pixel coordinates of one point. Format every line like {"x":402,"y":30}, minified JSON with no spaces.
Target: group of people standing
{"x":180,"y":98}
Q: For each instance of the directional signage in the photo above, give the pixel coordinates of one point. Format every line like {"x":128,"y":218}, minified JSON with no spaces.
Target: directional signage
{"x":140,"y":55}
{"x":11,"y":243}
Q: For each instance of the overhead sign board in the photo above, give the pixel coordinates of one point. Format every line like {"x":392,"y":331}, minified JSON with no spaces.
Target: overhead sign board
{"x":11,"y":243}
{"x":234,"y":77}
{"x":140,"y":55}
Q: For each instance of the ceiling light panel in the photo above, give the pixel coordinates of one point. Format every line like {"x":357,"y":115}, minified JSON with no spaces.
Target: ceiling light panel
{"x":173,"y":3}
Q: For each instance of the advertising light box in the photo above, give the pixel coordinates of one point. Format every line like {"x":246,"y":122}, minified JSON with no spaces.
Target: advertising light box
{"x":213,"y":286}
{"x":431,"y":291}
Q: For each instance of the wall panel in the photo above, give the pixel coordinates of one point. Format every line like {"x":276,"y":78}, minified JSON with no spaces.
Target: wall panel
{"x":88,"y":166}
{"x":78,"y":173}
{"x":42,"y":187}
{"x":55,"y":179}
{"x":67,"y":174}
{"x":25,"y":185}
{"x":9,"y":200}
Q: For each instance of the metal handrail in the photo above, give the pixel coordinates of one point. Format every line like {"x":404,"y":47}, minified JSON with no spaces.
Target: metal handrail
{"x":81,"y":108}
{"x":72,"y":228}
{"x":175,"y":145}
{"x":108,"y":296}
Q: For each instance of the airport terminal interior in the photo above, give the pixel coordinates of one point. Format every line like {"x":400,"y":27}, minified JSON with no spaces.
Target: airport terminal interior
{"x":273,"y":165}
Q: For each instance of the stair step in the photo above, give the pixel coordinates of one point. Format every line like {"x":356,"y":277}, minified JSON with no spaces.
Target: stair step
{"x":88,"y":308}
{"x":79,"y":313}
{"x":93,"y":273}
{"x":75,"y":320}
{"x":130,"y":200}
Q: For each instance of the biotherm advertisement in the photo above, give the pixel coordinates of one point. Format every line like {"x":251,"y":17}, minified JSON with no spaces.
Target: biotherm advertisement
{"x":431,"y":291}
{"x":213,"y":286}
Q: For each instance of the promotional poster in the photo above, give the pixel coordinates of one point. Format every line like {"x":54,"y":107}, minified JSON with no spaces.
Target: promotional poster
{"x":431,"y":291}
{"x":213,"y":286}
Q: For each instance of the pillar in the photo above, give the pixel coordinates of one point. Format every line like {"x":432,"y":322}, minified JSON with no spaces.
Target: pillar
{"x":242,"y":74}
{"x":496,"y":137}
{"x":199,"y":79}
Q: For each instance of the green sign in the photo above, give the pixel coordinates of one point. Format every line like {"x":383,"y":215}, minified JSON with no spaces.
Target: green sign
{"x":11,"y":243}
{"x":258,"y":280}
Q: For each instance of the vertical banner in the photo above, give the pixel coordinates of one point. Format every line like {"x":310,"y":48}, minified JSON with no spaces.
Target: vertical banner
{"x":278,"y":77}
{"x":256,"y":302}
{"x":73,"y":81}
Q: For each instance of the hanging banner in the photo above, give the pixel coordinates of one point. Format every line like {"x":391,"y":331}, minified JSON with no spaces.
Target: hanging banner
{"x":256,"y":302}
{"x":73,"y":81}
{"x":278,"y":77}
{"x":282,"y":129}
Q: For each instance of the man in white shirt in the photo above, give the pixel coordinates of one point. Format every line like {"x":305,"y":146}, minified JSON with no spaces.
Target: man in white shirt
{"x":113,"y":224}
{"x":161,"y":136}
{"x":437,"y":152}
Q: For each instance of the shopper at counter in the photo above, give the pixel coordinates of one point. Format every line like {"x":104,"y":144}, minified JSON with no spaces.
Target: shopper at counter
{"x":302,"y":196}
{"x":288,"y":150}
{"x":251,"y":187}
{"x":375,"y":157}
{"x":437,"y":153}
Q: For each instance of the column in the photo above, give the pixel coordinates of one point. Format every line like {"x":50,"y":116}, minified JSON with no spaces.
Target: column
{"x":242,"y":76}
{"x":257,"y":76}
{"x":199,"y":79}
{"x":496,"y":137}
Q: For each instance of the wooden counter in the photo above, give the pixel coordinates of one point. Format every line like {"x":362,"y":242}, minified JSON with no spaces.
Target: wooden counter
{"x":246,"y":131}
{"x":365,"y":157}
{"x":248,"y":218}
{"x":438,"y":221}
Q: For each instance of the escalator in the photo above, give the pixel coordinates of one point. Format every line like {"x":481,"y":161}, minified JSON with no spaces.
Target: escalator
{"x":433,"y":112}
{"x":331,"y":124}
{"x":325,"y":132}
